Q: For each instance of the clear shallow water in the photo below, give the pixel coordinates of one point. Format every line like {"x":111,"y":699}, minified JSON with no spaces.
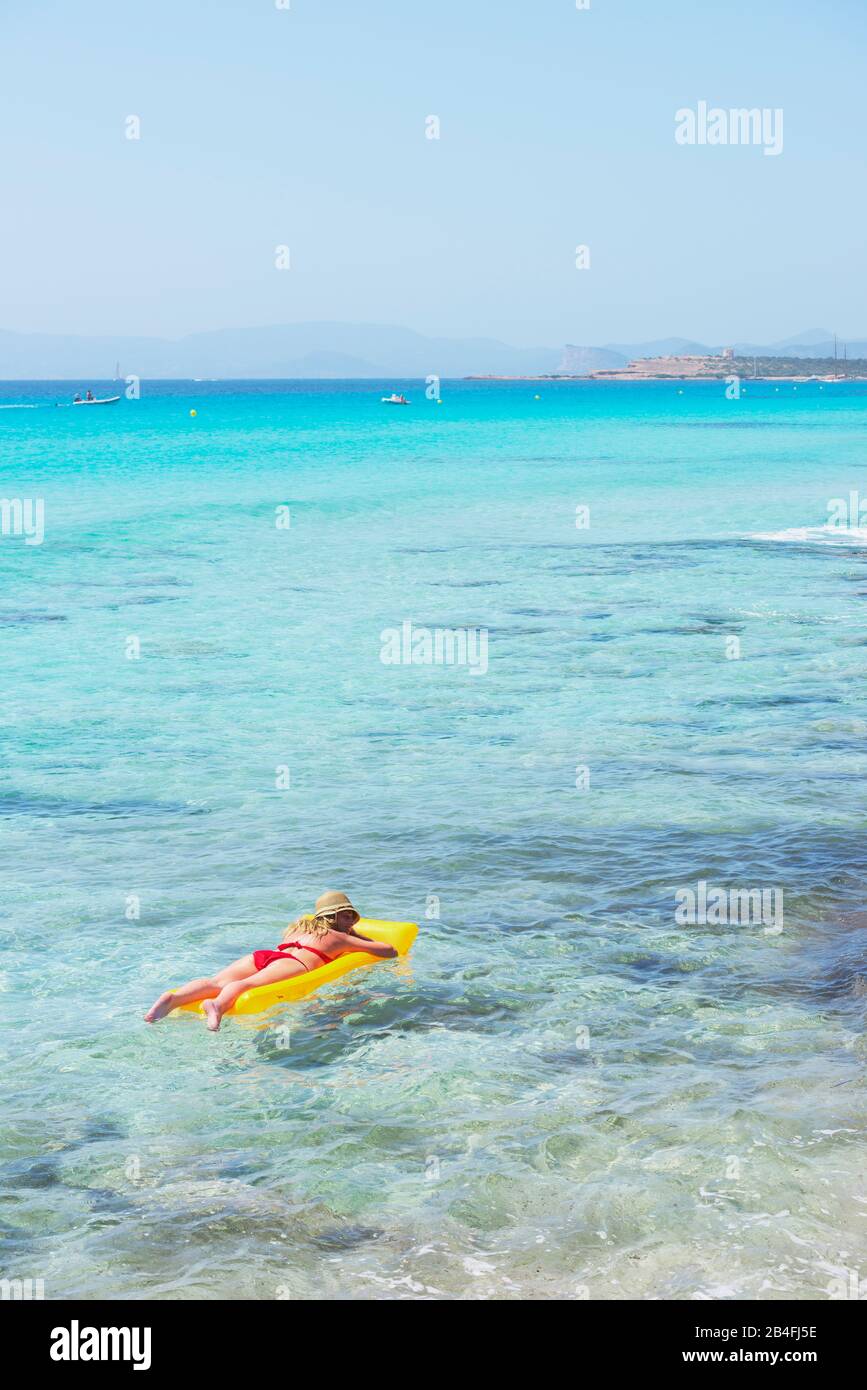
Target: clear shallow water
{"x":435,"y":1128}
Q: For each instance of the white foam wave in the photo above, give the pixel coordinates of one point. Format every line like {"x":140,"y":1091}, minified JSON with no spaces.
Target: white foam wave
{"x":815,"y":535}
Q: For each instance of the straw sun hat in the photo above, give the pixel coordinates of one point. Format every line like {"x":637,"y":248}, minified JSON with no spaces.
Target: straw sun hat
{"x":330,"y":903}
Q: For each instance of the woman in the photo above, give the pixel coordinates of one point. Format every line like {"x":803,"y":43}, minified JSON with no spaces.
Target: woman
{"x":317,"y":939}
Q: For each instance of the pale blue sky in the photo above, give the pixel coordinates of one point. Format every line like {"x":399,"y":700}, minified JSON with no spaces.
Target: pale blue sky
{"x":263,"y":126}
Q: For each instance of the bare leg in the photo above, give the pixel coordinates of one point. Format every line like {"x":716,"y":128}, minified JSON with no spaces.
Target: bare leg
{"x":205,"y":988}
{"x":215,"y":1007}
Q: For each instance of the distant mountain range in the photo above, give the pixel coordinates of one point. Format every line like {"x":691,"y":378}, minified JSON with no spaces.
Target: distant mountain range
{"x":287,"y":350}
{"x":347,"y":350}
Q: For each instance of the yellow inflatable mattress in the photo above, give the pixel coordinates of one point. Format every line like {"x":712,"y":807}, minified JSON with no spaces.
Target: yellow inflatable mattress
{"x":401,"y":935}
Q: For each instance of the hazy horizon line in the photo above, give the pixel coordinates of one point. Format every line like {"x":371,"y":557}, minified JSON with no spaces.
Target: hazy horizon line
{"x":799,"y":338}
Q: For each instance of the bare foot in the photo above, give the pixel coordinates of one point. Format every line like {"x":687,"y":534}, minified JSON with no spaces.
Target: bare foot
{"x":212,"y":1014}
{"x":162,"y":1007}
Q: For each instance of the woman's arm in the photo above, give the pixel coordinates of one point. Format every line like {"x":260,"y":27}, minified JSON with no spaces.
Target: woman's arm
{"x":341,"y":942}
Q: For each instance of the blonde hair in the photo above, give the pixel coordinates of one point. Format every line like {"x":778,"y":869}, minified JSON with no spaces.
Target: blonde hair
{"x":309,"y":925}
{"x":315,"y":926}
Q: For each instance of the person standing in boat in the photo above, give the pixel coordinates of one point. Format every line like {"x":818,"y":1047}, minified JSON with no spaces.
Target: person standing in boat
{"x":89,"y":396}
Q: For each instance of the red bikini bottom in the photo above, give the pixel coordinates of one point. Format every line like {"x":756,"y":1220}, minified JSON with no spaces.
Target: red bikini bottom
{"x":263,"y":958}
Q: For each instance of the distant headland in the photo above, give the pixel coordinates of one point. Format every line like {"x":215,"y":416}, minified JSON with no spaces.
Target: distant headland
{"x":712,"y":367}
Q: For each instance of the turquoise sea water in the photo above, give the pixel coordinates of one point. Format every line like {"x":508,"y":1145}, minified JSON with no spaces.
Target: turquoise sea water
{"x":564,"y":1091}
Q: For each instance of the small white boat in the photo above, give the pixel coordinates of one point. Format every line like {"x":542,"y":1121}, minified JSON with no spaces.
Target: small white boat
{"x":395,"y":399}
{"x":104,"y":400}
